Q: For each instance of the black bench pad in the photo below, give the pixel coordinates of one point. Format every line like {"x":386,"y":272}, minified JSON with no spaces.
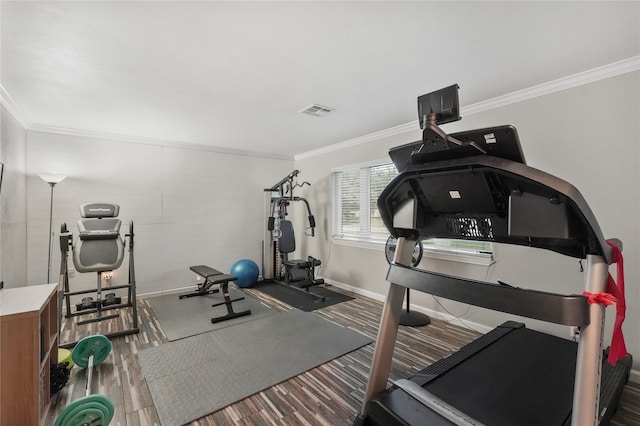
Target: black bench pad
{"x":213,"y":275}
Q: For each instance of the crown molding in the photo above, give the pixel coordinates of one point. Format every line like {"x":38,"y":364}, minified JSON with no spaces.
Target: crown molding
{"x":579,"y":79}
{"x":13,"y":108}
{"x":42,"y":128}
{"x":586,"y":77}
{"x":392,"y":131}
{"x":18,"y":113}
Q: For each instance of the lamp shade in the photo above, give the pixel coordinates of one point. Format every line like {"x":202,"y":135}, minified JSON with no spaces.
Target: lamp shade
{"x":52,"y":178}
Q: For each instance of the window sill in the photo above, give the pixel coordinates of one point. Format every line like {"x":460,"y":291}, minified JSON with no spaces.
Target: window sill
{"x":367,"y":245}
{"x":471,"y":258}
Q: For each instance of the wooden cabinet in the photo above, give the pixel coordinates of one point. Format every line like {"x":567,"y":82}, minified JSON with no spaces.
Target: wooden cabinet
{"x":28,"y":348}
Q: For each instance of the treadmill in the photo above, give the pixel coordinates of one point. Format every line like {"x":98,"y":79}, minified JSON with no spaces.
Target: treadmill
{"x":476,"y":185}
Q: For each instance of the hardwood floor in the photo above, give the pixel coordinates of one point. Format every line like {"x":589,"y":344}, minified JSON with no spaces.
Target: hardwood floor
{"x":330,"y":394}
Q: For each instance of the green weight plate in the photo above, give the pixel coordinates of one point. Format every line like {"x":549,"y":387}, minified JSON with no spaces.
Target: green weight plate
{"x":97,"y":345}
{"x":93,"y":410}
{"x":88,"y":415}
{"x":106,"y":403}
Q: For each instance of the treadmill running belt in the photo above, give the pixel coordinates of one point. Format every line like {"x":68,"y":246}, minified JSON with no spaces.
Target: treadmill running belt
{"x":523,"y":378}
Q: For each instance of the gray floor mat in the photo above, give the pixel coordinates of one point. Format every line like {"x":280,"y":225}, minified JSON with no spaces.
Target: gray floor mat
{"x":193,"y":377}
{"x":182,"y":318}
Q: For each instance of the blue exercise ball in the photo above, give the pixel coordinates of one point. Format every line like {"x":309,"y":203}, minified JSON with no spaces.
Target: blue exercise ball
{"x":247,"y":272}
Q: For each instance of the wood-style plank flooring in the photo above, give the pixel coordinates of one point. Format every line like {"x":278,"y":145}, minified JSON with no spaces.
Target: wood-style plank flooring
{"x":330,"y":394}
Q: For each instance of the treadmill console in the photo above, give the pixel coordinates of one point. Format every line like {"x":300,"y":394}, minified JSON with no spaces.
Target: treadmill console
{"x":476,"y":185}
{"x":500,"y":141}
{"x":443,"y":106}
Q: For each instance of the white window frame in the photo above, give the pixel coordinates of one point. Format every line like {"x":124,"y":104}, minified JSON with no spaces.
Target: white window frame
{"x":438,"y":249}
{"x":365,"y":236}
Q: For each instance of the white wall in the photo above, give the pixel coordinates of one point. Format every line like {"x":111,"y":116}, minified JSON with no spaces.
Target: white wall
{"x":189,"y":206}
{"x":13,"y":202}
{"x":193,"y":206}
{"x":587,"y":135}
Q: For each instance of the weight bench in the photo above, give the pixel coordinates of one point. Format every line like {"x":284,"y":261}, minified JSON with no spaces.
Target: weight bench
{"x":213,"y":276}
{"x":298,"y":273}
{"x":302,"y":271}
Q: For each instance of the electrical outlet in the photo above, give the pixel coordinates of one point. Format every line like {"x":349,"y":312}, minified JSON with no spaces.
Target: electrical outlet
{"x":72,"y":272}
{"x":197,"y":277}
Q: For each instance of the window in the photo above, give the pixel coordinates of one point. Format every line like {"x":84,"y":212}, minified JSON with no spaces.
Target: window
{"x":356,"y":216}
{"x":356,"y":192}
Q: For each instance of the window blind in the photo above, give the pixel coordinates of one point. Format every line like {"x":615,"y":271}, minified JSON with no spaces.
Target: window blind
{"x":356,"y":215}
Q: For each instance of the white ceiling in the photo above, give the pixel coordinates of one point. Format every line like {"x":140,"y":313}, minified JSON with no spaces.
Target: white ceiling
{"x":234,"y":74}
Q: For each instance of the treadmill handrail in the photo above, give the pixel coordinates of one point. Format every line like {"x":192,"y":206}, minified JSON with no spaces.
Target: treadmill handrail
{"x":570,"y":310}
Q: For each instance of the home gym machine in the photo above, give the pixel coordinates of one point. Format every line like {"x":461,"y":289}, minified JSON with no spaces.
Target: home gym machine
{"x":99,"y":248}
{"x":279,"y":239}
{"x":475,"y":185}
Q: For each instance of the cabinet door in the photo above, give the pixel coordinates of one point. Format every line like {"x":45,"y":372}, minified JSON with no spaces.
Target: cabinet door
{"x":20,"y":353}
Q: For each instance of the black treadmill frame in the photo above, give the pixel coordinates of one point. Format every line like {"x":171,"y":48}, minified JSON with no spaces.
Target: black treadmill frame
{"x":501,"y":191}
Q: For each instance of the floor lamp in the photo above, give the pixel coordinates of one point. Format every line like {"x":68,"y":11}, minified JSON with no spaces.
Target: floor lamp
{"x":52,"y":179}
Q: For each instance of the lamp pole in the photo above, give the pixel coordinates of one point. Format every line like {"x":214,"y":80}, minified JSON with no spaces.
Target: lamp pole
{"x":52,"y":179}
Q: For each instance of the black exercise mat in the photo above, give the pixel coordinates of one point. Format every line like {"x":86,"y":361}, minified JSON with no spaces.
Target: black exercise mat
{"x":298,"y":298}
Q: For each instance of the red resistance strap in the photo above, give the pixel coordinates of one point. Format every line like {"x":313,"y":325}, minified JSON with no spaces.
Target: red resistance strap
{"x":614,"y":293}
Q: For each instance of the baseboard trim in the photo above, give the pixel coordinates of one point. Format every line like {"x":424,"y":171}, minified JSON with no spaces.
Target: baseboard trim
{"x":166,"y":292}
{"x":481,"y":328}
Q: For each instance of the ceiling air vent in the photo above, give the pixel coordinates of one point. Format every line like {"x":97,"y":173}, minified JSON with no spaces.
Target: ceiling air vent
{"x":316,"y":110}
